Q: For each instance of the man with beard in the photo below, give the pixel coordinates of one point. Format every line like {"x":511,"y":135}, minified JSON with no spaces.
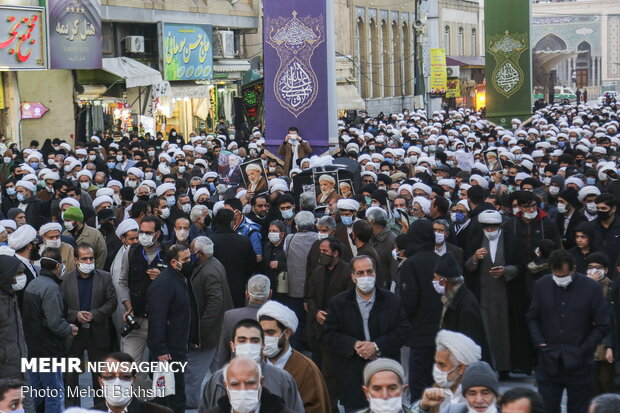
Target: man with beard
{"x":73,"y":219}
{"x":327,"y":189}
{"x":257,"y":184}
{"x":24,"y":241}
{"x":107,"y":229}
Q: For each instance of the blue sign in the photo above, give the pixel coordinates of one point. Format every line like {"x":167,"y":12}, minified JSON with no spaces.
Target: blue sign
{"x":187,"y":51}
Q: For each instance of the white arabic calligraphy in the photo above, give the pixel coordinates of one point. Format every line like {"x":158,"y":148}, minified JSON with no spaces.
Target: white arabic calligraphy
{"x":295,"y":85}
{"x":87,"y":30}
{"x":507,"y":77}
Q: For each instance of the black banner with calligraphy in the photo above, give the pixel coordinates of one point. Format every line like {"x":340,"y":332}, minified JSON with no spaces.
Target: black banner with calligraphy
{"x":75,"y":34}
{"x":253,"y":95}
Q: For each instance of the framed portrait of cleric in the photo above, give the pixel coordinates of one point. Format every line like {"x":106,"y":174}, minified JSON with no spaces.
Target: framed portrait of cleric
{"x":326,"y":187}
{"x":228,"y":169}
{"x":345,"y":188}
{"x":492,"y":161}
{"x":254,"y":177}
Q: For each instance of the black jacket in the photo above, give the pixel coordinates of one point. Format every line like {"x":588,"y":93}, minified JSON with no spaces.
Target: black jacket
{"x":138,"y":406}
{"x":171,"y":317}
{"x":36,"y":213}
{"x":527,"y":235}
{"x":269,"y":403}
{"x":343,"y":327}
{"x":571,"y":321}
{"x":568,"y":237}
{"x":12,"y":340}
{"x":44,"y":315}
{"x":235,"y":253}
{"x":421,"y":302}
{"x":463,"y":316}
{"x":138,"y":280}
{"x":607,"y":240}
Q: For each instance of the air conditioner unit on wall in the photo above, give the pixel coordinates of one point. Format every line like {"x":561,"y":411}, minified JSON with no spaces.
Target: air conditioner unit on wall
{"x":224,"y":44}
{"x":453,"y":71}
{"x":133,"y":44}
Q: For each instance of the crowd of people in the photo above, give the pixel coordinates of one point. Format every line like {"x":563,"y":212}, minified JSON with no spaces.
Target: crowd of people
{"x":458,"y":255}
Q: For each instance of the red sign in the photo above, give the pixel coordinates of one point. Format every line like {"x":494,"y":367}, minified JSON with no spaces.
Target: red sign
{"x":33,"y":110}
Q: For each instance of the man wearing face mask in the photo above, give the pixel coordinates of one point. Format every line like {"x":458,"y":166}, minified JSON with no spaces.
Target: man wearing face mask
{"x":117,"y":385}
{"x":568,"y":318}
{"x":46,"y":327}
{"x":107,"y":227}
{"x":73,"y":220}
{"x":248,"y":342}
{"x":181,"y":233}
{"x":127,"y":232}
{"x":480,"y":390}
{"x":607,"y":226}
{"x":569,"y":216}
{"x":91,"y":300}
{"x":461,"y":312}
{"x":245,"y":227}
{"x":11,"y":398}
{"x":30,"y":204}
{"x":347,"y":209}
{"x":24,"y":242}
{"x":213,"y":300}
{"x":455,"y":352}
{"x":362,"y":324}
{"x":245,"y":390}
{"x":279,"y":324}
{"x":173,"y":318}
{"x":384,"y":384}
{"x":293,"y":148}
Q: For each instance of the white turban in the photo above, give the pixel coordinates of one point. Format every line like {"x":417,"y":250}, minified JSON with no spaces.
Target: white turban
{"x":463,"y":348}
{"x":583,"y":192}
{"x":101,"y":199}
{"x":217,"y":206}
{"x":52,"y":226}
{"x":21,"y":237}
{"x":574,"y":180}
{"x":327,"y":178}
{"x":126,"y":226}
{"x":104,"y":191}
{"x":9,"y":223}
{"x":348,"y":204}
{"x":279,"y":312}
{"x":163,"y":188}
{"x":114,"y":182}
{"x":137,"y":172}
{"x":422,"y":186}
{"x":253,"y":167}
{"x":199,"y":192}
{"x":490,"y":217}
{"x":26,"y":184}
{"x":71,"y":201}
{"x":424,"y":203}
{"x":208,"y":175}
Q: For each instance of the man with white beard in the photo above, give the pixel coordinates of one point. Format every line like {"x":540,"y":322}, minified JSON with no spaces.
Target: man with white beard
{"x":454,"y":353}
{"x":127,"y":232}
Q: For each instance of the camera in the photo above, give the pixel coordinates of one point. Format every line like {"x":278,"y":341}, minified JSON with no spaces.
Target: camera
{"x":130,"y":325}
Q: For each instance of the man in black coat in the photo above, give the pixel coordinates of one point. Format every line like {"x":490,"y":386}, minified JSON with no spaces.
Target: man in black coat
{"x":235,"y":253}
{"x":606,"y":227}
{"x":568,"y":318}
{"x":173,"y":318}
{"x":362,"y":323}
{"x":421,"y":303}
{"x":461,"y":311}
{"x":569,"y":216}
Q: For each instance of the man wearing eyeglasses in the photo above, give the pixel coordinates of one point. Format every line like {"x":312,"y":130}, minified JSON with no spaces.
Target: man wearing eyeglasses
{"x":91,"y":300}
{"x":362,"y":324}
{"x":117,"y":379}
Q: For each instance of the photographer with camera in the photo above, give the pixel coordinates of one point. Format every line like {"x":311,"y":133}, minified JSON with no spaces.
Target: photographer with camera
{"x":142,"y":264}
{"x":91,"y":300}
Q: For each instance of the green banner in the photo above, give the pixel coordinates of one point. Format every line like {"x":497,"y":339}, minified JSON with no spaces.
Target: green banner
{"x":508,"y":64}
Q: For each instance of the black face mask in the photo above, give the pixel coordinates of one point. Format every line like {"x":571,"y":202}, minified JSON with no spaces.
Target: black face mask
{"x":187,"y":268}
{"x":325,"y":259}
{"x":603,"y":215}
{"x":35,"y":254}
{"x":107,"y":227}
{"x":144,"y":198}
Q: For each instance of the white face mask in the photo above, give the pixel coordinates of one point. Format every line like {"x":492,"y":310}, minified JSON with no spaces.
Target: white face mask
{"x":563,"y":281}
{"x":69,"y":225}
{"x":86,"y":268}
{"x":182,"y":234}
{"x":148,"y":175}
{"x":165,"y":213}
{"x":248,"y":350}
{"x":596,"y":274}
{"x":52,"y":243}
{"x":554,"y":190}
{"x":186,"y":208}
{"x":146,"y":240}
{"x":20,"y":282}
{"x":546,"y":180}
{"x":365,"y":284}
{"x":271,"y":348}
{"x":591,"y":207}
{"x":85,"y":185}
{"x":323,"y":235}
{"x":131,"y":184}
{"x":117,"y":392}
{"x":392,"y":405}
{"x":441,"y":289}
{"x":530,"y":215}
{"x":562,"y":208}
{"x":441,"y":377}
{"x":492,"y":234}
{"x":244,"y":401}
{"x":440,"y":238}
{"x":274,"y":237}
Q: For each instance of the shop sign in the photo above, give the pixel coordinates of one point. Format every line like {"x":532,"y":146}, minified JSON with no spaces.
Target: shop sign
{"x":187,"y":51}
{"x":454,"y":88}
{"x":33,"y":110}
{"x":23,"y":38}
{"x":75,"y":34}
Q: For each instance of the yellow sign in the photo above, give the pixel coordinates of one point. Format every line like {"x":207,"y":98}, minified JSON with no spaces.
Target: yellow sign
{"x":480,"y":100}
{"x":454,"y":88}
{"x":1,"y":93}
{"x":439,"y":77}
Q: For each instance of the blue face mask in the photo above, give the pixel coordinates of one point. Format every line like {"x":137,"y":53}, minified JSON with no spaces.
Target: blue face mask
{"x":406,"y":145}
{"x":561,"y":144}
{"x":34,"y":165}
{"x":4,"y":243}
{"x":194,"y":258}
{"x":11,"y":191}
{"x":171,"y":200}
{"x":368,"y":200}
{"x":287,"y":214}
{"x":347,"y":221}
{"x":591,"y":181}
{"x":491,"y":144}
{"x":460,"y":217}
{"x":389,"y":160}
{"x":211,"y":186}
{"x":21,"y":197}
{"x":111,"y":165}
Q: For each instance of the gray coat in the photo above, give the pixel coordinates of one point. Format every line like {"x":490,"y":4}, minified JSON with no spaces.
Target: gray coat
{"x":103,"y":303}
{"x":213,"y":299}
{"x":383,"y":243}
{"x":277,"y":381}
{"x":12,"y":340}
{"x":297,"y":246}
{"x":455,"y":408}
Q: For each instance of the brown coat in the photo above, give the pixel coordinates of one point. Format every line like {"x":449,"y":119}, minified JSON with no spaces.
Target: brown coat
{"x":286,"y":151}
{"x":66,"y":255}
{"x":310,"y":383}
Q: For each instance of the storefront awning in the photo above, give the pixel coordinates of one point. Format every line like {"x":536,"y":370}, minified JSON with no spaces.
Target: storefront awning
{"x":349,"y":98}
{"x":135,"y":73}
{"x":188,"y":90}
{"x":231,"y":65}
